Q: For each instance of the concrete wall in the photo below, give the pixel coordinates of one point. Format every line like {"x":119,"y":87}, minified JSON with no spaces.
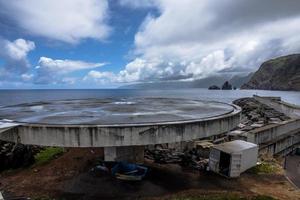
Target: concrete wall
{"x":131,"y":154}
{"x":290,"y":110}
{"x":277,"y":139}
{"x":281,"y":147}
{"x":273,"y":132}
{"x":108,"y":136}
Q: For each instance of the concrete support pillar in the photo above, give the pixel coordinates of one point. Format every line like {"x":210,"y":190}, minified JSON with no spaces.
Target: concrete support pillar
{"x":133,"y":154}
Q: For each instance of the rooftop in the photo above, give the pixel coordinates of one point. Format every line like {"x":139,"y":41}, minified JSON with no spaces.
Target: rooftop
{"x":235,"y":146}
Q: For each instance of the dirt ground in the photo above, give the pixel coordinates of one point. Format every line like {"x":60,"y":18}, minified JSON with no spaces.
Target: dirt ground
{"x":70,"y":177}
{"x":48,"y":179}
{"x":293,"y":169}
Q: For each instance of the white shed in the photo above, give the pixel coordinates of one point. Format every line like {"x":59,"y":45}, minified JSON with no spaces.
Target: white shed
{"x":232,"y":158}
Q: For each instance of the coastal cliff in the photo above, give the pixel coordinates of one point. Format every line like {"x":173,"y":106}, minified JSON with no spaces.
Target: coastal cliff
{"x":281,"y":73}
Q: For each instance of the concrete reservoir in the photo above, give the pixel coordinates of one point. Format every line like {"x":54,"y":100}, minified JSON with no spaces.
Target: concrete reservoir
{"x":122,"y":126}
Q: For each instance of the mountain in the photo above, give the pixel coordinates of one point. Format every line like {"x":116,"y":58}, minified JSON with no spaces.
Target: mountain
{"x":281,"y":73}
{"x":235,"y":81}
{"x":238,"y":80}
{"x":200,"y":83}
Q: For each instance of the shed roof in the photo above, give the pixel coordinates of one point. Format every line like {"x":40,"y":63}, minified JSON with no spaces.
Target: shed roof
{"x":235,"y":146}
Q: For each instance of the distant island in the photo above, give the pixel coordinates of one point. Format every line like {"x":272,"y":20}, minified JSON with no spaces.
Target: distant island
{"x":281,"y":73}
{"x":225,"y":86}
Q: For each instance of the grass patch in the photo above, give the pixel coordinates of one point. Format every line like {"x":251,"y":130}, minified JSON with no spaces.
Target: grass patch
{"x":226,"y":197}
{"x":263,"y":197}
{"x":264,"y":168}
{"x":47,"y":155}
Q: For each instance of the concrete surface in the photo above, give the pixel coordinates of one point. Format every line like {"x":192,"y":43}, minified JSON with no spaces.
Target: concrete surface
{"x":113,"y":111}
{"x":130,"y":134}
{"x":131,"y":154}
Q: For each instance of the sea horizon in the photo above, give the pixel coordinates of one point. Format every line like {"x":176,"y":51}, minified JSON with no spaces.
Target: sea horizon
{"x":18,"y":96}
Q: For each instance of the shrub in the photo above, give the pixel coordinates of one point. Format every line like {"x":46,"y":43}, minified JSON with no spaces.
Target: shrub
{"x":48,"y":154}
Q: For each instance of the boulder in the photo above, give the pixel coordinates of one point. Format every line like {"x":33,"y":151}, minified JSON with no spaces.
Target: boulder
{"x":214,"y":87}
{"x":13,"y":156}
{"x":227,"y":86}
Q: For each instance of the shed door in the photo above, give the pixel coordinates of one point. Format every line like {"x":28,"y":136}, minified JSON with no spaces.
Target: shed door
{"x":236,"y":159}
{"x":214,"y":157}
{"x":224,"y":165}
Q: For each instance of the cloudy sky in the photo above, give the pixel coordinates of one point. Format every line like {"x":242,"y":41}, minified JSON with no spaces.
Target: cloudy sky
{"x":108,"y":43}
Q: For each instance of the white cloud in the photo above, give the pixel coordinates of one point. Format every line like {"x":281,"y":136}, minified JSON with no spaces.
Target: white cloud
{"x":27,"y":77}
{"x":18,"y":49}
{"x":50,"y":70}
{"x":64,"y":20}
{"x":193,"y":39}
{"x":65,"y":66}
{"x":69,"y":80}
{"x":138,"y":3}
{"x":100,"y":77}
{"x":14,"y":54}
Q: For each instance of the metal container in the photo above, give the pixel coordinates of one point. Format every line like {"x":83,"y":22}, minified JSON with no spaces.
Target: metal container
{"x":230,"y":159}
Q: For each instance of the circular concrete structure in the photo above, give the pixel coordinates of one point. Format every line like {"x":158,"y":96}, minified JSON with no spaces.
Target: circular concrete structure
{"x":123,"y":111}
{"x":117,"y":122}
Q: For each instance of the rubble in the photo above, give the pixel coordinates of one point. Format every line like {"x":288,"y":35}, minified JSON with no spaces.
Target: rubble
{"x":14,"y":156}
{"x":253,"y":111}
{"x":164,"y":156}
{"x":195,"y":158}
{"x":256,"y":115}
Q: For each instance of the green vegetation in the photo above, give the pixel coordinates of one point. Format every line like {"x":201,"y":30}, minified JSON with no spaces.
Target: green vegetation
{"x":226,"y":197}
{"x":263,"y":197}
{"x":47,"y":155}
{"x":264,"y":168}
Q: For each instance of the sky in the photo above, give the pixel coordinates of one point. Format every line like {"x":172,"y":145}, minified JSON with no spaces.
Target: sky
{"x":110,"y":43}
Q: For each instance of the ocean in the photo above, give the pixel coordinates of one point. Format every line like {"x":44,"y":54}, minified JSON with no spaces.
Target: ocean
{"x":13,"y":97}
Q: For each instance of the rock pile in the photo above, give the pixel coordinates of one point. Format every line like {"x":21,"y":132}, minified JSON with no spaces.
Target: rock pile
{"x":255,"y":114}
{"x":256,"y":111}
{"x":14,"y":156}
{"x":188,"y":158}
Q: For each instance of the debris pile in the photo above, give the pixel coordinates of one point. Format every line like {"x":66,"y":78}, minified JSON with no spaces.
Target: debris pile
{"x":189,"y":158}
{"x":164,"y":156}
{"x":256,"y":115}
{"x":14,"y":156}
{"x":192,"y":159}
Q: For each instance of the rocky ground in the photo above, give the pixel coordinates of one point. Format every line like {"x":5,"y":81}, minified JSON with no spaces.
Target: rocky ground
{"x":48,"y":179}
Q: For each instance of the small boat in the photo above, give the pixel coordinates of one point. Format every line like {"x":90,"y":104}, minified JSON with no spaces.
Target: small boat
{"x":129,"y":171}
